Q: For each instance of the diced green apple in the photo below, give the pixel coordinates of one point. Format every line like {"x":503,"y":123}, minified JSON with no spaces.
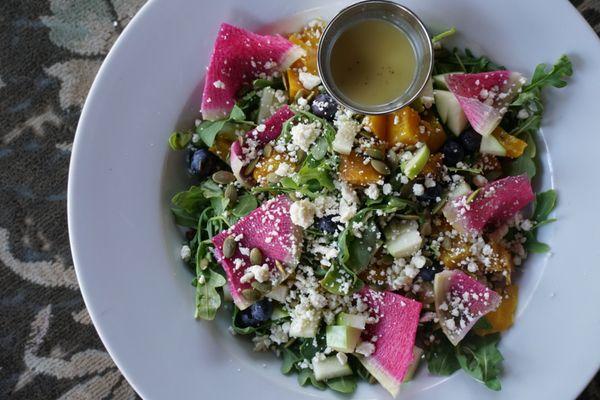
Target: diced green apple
{"x":330,"y":368}
{"x":353,"y":320}
{"x":403,"y":238}
{"x":412,"y":167}
{"x":342,"y":338}
{"x":491,"y":145}
{"x":450,"y":111}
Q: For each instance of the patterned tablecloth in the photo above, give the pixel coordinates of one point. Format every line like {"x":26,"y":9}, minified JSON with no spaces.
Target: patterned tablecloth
{"x":50,"y":51}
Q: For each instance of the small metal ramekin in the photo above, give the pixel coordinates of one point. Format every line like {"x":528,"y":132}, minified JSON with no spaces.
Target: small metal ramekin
{"x":398,"y":15}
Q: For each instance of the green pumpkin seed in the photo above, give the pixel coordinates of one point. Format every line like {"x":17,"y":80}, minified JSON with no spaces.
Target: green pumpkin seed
{"x":375,"y":153}
{"x":263,"y":287}
{"x":268,"y":149}
{"x":251,"y":294}
{"x":223,"y":177}
{"x":250,"y":167}
{"x":279,"y":266}
{"x":273,"y":178}
{"x":380,"y":167}
{"x":301,"y":156}
{"x":203,"y":264}
{"x":256,"y":257}
{"x":229,"y":247}
{"x":231,"y":194}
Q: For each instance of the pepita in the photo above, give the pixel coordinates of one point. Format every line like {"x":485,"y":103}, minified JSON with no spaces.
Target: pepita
{"x":267,"y":150}
{"x":203,"y":264}
{"x":273,"y":177}
{"x":229,"y":247}
{"x":279,"y":266}
{"x":375,"y":153}
{"x":256,"y":257}
{"x":251,"y":294}
{"x":301,"y":156}
{"x":380,"y":167}
{"x":250,"y":167}
{"x":223,"y":177}
{"x":231,"y":194}
{"x":263,"y":287}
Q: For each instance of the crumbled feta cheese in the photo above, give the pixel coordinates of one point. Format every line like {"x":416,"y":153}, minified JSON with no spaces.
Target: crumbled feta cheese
{"x":302,"y":213}
{"x":372,"y":191}
{"x":365,"y":348}
{"x":418,"y":189}
{"x":387,"y":189}
{"x":309,"y":81}
{"x":303,"y":135}
{"x":219,"y":84}
{"x":186,"y":252}
{"x":522,"y":114}
{"x":261,"y":272}
{"x":347,"y":128}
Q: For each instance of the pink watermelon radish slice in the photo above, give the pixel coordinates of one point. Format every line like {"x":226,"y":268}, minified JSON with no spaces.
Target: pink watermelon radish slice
{"x":460,"y":301}
{"x":250,"y":148}
{"x":239,"y":57}
{"x":484,"y":97}
{"x":395,"y":329}
{"x":268,"y":228}
{"x":493,"y":204}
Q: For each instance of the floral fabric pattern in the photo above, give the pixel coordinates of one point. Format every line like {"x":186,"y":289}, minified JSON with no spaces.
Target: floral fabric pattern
{"x":51,"y":51}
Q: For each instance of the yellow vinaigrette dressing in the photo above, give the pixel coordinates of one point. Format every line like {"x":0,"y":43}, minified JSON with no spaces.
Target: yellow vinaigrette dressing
{"x":373,"y":62}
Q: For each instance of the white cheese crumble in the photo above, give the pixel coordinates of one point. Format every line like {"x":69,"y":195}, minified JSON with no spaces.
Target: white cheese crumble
{"x":365,"y":348}
{"x":261,"y":272}
{"x":303,"y":135}
{"x":347,"y":128}
{"x":309,"y":81}
{"x":219,"y":84}
{"x":372,"y":191}
{"x":186,"y":252}
{"x":302,"y":213}
{"x":418,"y":189}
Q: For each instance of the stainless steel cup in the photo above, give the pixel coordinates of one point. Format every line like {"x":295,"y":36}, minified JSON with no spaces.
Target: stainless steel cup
{"x":396,"y":14}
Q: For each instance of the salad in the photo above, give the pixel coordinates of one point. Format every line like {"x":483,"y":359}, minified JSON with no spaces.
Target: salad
{"x":358,"y":247}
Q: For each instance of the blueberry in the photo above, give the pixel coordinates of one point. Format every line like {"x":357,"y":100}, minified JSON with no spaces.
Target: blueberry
{"x":255,"y":315}
{"x":470,"y":141}
{"x":326,"y":224}
{"x":453,"y":152}
{"x":427,"y":273}
{"x":261,"y":310}
{"x":324,"y":106}
{"x":431,"y":194}
{"x":202,"y":163}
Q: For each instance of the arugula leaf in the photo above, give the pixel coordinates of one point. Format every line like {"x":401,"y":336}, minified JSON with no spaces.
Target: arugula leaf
{"x":340,"y":280}
{"x":441,"y":358}
{"x":356,"y":252}
{"x":306,"y":376}
{"x":480,"y":358}
{"x":245,"y":204}
{"x":554,"y":77}
{"x":343,"y":384}
{"x":522,"y":165}
{"x":289,"y":360}
{"x":208,"y":300}
{"x":179,"y":140}
{"x":455,"y":60}
{"x":442,"y":35}
{"x":309,"y":347}
{"x":191,"y":200}
{"x":530,"y":98}
{"x":544,"y":204}
{"x":208,"y":130}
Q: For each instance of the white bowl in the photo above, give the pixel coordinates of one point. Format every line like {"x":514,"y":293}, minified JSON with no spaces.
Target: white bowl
{"x":125,"y":244}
